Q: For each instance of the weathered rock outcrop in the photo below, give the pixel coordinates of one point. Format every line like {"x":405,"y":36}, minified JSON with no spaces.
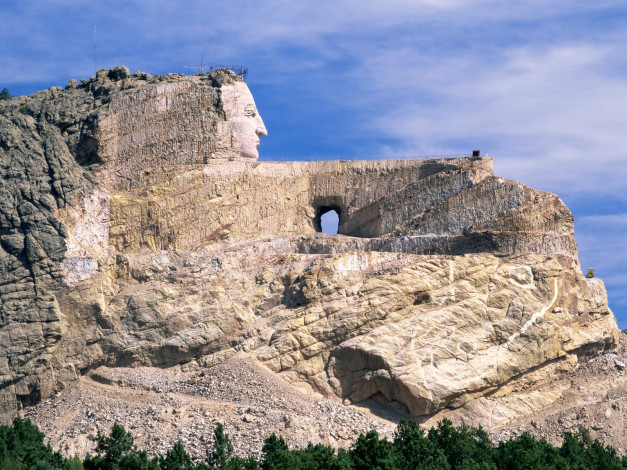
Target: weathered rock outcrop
{"x":138,"y":228}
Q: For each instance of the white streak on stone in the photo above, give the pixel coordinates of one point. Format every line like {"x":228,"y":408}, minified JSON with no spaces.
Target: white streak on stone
{"x":536,"y":315}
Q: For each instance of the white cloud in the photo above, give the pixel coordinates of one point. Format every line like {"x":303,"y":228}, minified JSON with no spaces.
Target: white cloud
{"x":556,"y":110}
{"x":617,"y":221}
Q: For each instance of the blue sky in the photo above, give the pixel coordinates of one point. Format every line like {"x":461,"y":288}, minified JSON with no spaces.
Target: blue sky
{"x":540,"y":86}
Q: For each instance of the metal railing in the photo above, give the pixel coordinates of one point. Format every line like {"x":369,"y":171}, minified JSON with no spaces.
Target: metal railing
{"x":236,"y":69}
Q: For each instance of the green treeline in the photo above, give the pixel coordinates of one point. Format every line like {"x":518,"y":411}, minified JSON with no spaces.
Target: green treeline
{"x":445,"y":447}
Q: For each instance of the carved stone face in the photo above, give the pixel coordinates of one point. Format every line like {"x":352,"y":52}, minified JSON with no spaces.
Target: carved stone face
{"x":246,"y":124}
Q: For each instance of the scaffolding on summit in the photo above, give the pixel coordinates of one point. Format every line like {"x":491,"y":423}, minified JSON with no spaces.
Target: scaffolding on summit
{"x":207,"y":68}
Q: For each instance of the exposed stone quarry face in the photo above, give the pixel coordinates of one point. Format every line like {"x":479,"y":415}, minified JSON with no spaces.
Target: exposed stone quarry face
{"x":87,"y":240}
{"x":137,"y":228}
{"x":246,"y":123}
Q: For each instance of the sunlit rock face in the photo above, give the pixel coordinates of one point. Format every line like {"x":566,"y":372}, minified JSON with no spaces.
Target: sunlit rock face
{"x":138,"y":228}
{"x":243,"y":117}
{"x":148,"y":132}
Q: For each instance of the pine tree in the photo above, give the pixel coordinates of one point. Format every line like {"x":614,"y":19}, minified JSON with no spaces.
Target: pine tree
{"x":176,"y":458}
{"x":222,"y":450}
{"x":118,"y":452}
{"x":372,"y":453}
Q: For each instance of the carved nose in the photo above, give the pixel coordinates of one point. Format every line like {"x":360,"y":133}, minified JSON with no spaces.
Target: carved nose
{"x":261,"y":131}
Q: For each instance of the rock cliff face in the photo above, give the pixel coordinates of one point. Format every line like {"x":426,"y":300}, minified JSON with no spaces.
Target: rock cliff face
{"x":138,"y":228}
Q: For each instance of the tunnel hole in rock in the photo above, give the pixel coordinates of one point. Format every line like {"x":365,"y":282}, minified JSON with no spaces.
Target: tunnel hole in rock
{"x":330,"y":222}
{"x":327,"y":220}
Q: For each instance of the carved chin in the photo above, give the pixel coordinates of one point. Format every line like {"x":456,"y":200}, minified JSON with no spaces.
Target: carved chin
{"x":248,"y":143}
{"x":249,"y":151}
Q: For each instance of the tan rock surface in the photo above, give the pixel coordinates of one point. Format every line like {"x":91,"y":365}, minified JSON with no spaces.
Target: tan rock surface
{"x":247,"y":398}
{"x":187,"y":404}
{"x":136,"y":230}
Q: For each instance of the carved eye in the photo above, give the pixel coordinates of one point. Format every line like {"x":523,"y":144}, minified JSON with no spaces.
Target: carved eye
{"x":250,"y":111}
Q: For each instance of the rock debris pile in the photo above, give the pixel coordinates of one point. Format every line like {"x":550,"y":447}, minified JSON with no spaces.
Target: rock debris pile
{"x":160,"y":407}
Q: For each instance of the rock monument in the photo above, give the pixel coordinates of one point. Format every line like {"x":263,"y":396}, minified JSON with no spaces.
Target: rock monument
{"x":138,"y":228}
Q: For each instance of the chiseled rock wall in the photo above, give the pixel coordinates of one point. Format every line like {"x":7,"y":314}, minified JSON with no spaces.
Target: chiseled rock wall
{"x":418,"y":206}
{"x":427,"y":332}
{"x":137,"y":227}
